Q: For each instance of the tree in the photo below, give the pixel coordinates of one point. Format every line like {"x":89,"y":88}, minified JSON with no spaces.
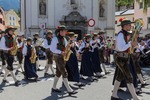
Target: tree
{"x":146,"y":4}
{"x":126,"y":3}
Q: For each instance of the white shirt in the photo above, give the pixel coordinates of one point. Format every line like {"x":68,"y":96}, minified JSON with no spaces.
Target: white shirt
{"x":45,"y":44}
{"x":121,"y":44}
{"x":20,"y":44}
{"x":82,"y":46}
{"x":53,"y":46}
{"x":3,"y":45}
{"x":24,"y":51}
{"x":38,"y":42}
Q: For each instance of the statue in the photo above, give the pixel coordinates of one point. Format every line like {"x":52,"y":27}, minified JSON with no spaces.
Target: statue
{"x":72,"y":2}
{"x":101,"y":8}
{"x":42,"y":7}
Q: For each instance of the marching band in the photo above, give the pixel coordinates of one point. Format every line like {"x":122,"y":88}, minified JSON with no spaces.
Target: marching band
{"x":64,"y":48}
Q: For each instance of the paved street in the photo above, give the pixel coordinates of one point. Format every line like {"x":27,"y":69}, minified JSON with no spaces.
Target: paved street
{"x":41,"y":90}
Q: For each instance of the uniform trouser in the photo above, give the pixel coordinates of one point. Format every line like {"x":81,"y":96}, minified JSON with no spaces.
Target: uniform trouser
{"x":123,"y":70}
{"x":101,"y":56}
{"x":3,"y":57}
{"x":49,"y":55}
{"x":136,"y":64}
{"x":20,"y":57}
{"x":60,"y":66}
{"x":9,"y":60}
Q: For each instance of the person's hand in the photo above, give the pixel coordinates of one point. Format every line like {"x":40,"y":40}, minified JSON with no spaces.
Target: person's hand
{"x":11,"y":48}
{"x":134,"y":44}
{"x":87,"y":45}
{"x":63,"y":53}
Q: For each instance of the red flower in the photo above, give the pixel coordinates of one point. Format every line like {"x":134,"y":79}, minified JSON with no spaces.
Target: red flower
{"x":120,"y":20}
{"x":58,"y":27}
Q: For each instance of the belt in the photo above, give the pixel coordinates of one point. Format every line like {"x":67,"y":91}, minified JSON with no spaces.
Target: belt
{"x":57,"y":54}
{"x":122,"y":54}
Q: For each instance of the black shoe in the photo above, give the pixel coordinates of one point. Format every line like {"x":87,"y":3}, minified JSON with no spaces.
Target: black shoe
{"x":17,"y":83}
{"x":138,"y":92}
{"x":72,"y":93}
{"x":107,"y":73}
{"x":16,"y":73}
{"x":1,"y":73}
{"x":56,"y":90}
{"x":80,"y":85}
{"x":39,"y":69}
{"x":52,"y":75}
{"x":5,"y":81}
{"x":143,"y":85}
{"x":46,"y":75}
{"x":114,"y":98}
{"x":94,"y":79}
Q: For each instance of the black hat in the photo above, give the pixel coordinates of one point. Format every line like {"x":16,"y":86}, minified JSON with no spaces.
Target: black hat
{"x":2,"y":32}
{"x":95,"y":34}
{"x":49,"y":32}
{"x":29,"y":39}
{"x":125,"y":22}
{"x":70,"y":34}
{"x":36,"y":34}
{"x":101,"y":32}
{"x":10,"y":28}
{"x":87,"y":36}
{"x":62,"y":27}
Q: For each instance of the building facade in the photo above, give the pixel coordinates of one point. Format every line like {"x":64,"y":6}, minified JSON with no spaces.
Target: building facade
{"x":138,"y":7}
{"x":40,"y":15}
{"x":12,"y":19}
{"x":2,"y":19}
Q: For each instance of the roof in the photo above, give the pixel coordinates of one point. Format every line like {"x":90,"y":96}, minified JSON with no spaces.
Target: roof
{"x":125,"y":12}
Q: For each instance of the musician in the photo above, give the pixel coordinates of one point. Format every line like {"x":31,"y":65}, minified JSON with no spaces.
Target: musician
{"x":102,"y":50}
{"x":72,"y":63}
{"x":37,"y":44}
{"x":122,"y":59}
{"x":58,"y":46}
{"x":136,"y":62}
{"x":2,"y":33}
{"x":49,"y":54}
{"x":29,"y":67}
{"x":95,"y":55}
{"x":20,"y":42}
{"x":7,"y":43}
{"x":86,"y":63}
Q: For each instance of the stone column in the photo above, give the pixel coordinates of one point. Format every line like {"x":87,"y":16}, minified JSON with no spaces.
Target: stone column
{"x":22,"y":3}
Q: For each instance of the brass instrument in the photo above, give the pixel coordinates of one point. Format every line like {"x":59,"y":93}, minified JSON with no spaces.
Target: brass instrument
{"x":15,"y":47}
{"x":67,"y":52}
{"x":138,"y":26}
{"x":33,"y":54}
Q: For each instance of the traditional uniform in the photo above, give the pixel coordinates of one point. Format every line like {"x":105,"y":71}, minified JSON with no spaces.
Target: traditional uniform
{"x":2,"y":56}
{"x":20,"y":43}
{"x":72,"y":63}
{"x":29,"y":67}
{"x":95,"y":56}
{"x":7,"y":42}
{"x":37,"y":43}
{"x":49,"y":54}
{"x":58,"y":46}
{"x":86,"y":62}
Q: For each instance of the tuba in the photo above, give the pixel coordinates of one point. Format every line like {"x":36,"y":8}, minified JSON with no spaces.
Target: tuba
{"x":15,"y":47}
{"x":67,"y":51}
{"x":138,"y":26}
